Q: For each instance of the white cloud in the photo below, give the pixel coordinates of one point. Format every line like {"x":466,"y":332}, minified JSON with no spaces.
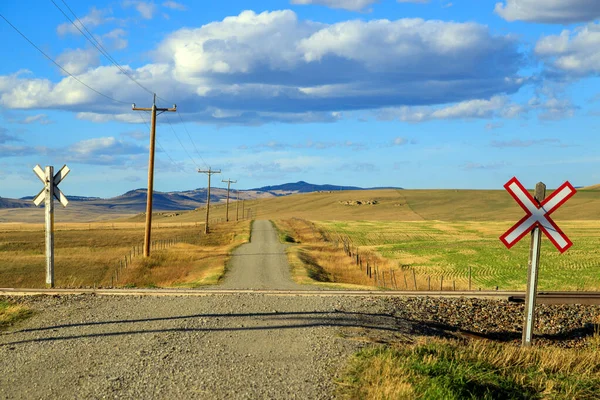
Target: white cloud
{"x":77,"y":61}
{"x":470,"y":109}
{"x":93,"y":19}
{"x":549,"y":11}
{"x":146,"y":9}
{"x":42,"y":119}
{"x":574,"y":52}
{"x":351,"y":5}
{"x":174,"y":5}
{"x":102,"y":151}
{"x":255,"y":68}
{"x":116,"y":39}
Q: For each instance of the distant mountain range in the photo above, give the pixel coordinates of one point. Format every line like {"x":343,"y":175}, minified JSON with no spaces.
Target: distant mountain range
{"x":135,"y":200}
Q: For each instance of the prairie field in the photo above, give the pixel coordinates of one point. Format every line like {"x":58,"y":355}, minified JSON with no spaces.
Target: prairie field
{"x":89,"y":255}
{"x":449,"y":249}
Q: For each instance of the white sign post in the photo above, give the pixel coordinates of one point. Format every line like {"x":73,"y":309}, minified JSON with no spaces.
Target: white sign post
{"x":537,"y":218}
{"x":47,"y":195}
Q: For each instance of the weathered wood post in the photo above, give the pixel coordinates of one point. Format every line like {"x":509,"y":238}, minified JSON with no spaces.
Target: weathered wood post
{"x":47,"y":195}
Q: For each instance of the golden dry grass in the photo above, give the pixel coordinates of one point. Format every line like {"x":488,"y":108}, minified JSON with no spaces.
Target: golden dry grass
{"x":90,"y":257}
{"x":200,"y":262}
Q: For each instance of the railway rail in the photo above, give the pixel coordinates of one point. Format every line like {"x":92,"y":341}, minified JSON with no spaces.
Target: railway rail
{"x":515,"y":296}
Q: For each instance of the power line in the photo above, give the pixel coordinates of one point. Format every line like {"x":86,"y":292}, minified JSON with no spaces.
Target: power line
{"x":97,"y":44}
{"x":60,"y":66}
{"x":190,"y":137}
{"x":182,"y":146}
{"x":162,"y":148}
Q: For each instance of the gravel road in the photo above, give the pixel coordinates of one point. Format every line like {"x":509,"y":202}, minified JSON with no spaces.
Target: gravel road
{"x":218,"y":346}
{"x":260,"y":264}
{"x":238,"y":346}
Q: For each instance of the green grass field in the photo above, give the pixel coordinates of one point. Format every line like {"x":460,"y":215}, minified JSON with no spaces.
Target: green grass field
{"x":448,"y":249}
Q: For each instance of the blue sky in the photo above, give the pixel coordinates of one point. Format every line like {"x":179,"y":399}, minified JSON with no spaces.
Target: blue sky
{"x":417,"y":94}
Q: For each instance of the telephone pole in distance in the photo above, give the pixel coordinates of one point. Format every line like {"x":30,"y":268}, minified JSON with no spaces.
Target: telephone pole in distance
{"x":208,"y":172}
{"x":154,"y":111}
{"x":229,"y":182}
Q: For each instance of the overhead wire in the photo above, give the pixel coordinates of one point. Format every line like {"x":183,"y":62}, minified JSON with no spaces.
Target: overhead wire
{"x":60,"y":66}
{"x":162,"y":148}
{"x":90,"y":37}
{"x":179,"y":140}
{"x":96,"y":43}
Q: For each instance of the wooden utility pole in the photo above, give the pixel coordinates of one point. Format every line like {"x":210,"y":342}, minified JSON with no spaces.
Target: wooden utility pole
{"x":237,"y":207}
{"x":209,"y":172}
{"x":154,"y":111}
{"x":229,"y":182}
{"x":532,"y":277}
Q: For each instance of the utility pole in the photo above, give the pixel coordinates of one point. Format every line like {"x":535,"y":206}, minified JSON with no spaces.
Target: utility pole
{"x":229,"y":182}
{"x":243,"y":209}
{"x":237,"y":207}
{"x":209,"y":172}
{"x":153,"y":110}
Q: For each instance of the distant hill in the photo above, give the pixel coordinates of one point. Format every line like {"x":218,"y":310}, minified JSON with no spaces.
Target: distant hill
{"x":304,"y":187}
{"x":593,"y":187}
{"x":134,"y":201}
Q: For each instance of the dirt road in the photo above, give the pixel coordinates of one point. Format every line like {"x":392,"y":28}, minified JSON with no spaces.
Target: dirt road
{"x":221,"y":346}
{"x":260,"y":264}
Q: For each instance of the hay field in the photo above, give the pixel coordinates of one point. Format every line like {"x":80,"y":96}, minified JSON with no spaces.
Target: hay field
{"x":448,"y":249}
{"x":88,"y":255}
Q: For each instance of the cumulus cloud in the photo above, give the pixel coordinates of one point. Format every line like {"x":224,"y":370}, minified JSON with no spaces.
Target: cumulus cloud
{"x":256,"y":68}
{"x":93,"y":19}
{"x":351,"y":5}
{"x":146,"y":9}
{"x":174,"y":5}
{"x":102,"y":151}
{"x":470,"y":109}
{"x":77,"y":61}
{"x":576,"y":53}
{"x":549,"y":11}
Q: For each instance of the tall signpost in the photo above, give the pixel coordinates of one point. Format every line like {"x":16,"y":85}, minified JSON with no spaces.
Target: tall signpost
{"x":47,"y":195}
{"x":536,"y":220}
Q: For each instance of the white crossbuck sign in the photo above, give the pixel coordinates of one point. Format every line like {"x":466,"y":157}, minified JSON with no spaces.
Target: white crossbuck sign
{"x":538,"y":214}
{"x":56,"y":179}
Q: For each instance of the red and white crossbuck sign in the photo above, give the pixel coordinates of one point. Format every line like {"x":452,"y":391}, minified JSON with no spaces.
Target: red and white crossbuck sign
{"x":538,"y":214}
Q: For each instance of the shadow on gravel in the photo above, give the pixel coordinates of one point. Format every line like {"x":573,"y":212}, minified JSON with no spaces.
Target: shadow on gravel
{"x":450,"y":331}
{"x":282,"y":320}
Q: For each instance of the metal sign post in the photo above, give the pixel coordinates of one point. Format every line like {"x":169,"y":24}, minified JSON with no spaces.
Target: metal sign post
{"x":47,"y":195}
{"x":536,"y":220}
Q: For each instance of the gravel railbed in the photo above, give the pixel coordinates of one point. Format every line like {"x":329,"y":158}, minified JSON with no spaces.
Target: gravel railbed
{"x":565,"y":325}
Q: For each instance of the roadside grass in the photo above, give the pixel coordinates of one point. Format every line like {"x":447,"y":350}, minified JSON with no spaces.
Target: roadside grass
{"x":443,"y":252}
{"x":199,"y":262}
{"x":315,"y":262}
{"x":84,"y":258}
{"x":450,"y":369}
{"x":11,"y":313}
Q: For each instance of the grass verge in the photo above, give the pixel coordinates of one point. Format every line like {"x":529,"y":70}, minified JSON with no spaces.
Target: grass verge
{"x":11,"y":313}
{"x":200,"y":262}
{"x":449,"y":369}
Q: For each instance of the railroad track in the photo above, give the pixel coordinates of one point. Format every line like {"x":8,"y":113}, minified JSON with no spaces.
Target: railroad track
{"x":542,"y":298}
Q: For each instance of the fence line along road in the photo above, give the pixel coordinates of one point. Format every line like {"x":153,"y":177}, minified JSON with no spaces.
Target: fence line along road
{"x":543,"y":297}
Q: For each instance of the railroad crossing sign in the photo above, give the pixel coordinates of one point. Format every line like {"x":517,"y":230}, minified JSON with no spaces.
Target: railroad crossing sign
{"x":537,"y":218}
{"x":47,"y":195}
{"x":538,"y":214}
